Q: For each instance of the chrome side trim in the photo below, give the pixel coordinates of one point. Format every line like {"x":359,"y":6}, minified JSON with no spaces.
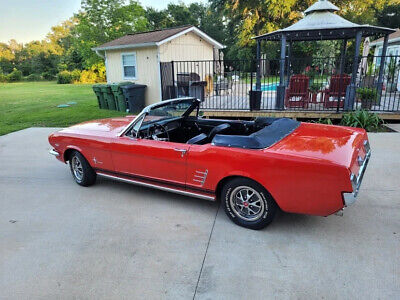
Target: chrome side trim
{"x":200,"y":177}
{"x":191,"y":194}
{"x":54,"y":152}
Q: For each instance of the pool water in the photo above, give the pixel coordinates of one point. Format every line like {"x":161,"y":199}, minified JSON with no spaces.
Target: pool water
{"x":267,"y":87}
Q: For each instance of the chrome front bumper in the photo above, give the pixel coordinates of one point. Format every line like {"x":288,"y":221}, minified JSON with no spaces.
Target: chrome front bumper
{"x":350,"y":198}
{"x":54,"y":152}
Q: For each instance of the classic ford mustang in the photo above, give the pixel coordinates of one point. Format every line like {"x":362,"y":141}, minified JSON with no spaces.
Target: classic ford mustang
{"x":254,"y":167}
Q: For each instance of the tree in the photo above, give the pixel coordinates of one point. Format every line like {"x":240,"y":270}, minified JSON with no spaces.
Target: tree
{"x":196,"y":14}
{"x":101,"y":21}
{"x":389,"y":16}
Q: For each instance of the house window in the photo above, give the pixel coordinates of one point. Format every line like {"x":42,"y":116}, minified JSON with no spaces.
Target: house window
{"x":378,"y":59}
{"x":129,"y":65}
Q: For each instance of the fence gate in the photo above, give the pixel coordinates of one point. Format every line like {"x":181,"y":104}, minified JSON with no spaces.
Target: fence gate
{"x":167,"y":80}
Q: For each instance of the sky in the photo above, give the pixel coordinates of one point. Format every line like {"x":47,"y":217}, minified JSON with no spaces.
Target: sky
{"x":27,"y":20}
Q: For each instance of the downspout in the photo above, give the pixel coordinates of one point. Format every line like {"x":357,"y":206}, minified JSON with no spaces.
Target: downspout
{"x":105,"y":61}
{"x":159,"y":73}
{"x":99,"y":54}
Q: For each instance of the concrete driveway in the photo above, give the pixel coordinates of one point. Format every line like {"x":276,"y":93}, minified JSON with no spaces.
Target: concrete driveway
{"x":114,"y":240}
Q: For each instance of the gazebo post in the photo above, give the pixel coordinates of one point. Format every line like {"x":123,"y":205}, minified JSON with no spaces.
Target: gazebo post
{"x":351,"y":89}
{"x":288,"y":62}
{"x":281,"y":88}
{"x":258,"y":66}
{"x":382,"y":67}
{"x":342,"y":56}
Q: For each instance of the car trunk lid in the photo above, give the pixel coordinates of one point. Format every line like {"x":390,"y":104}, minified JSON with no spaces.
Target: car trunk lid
{"x":337,"y":144}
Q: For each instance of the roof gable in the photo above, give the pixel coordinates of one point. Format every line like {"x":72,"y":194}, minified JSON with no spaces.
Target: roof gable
{"x":154,"y":38}
{"x":395,"y":36}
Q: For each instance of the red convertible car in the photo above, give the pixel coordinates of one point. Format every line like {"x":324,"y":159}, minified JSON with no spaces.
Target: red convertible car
{"x":254,"y":167}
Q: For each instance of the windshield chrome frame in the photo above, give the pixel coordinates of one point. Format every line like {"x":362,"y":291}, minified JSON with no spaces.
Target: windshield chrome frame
{"x":150,"y":107}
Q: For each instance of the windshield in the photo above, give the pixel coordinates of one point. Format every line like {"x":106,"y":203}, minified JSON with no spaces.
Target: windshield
{"x":164,"y":111}
{"x":167,"y":111}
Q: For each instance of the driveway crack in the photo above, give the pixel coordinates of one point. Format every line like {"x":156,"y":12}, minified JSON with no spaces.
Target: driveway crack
{"x":205,"y":254}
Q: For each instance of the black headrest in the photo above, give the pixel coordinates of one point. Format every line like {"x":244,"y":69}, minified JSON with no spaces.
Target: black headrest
{"x":261,"y":122}
{"x":218,"y":129}
{"x":198,"y":139}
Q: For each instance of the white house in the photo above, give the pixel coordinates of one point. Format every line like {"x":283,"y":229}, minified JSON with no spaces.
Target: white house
{"x":392,"y":50}
{"x":393,"y":46}
{"x":136,"y":57}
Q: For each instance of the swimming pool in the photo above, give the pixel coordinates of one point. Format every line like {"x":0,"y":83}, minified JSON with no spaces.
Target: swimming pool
{"x":267,"y":87}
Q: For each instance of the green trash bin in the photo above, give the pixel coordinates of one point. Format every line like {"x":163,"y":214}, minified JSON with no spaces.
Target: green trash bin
{"x":119,"y":95}
{"x":108,"y":96}
{"x":100,"y":98}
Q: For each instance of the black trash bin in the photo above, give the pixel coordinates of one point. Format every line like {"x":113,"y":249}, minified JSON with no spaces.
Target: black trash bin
{"x":255,"y":100}
{"x":196,"y":89}
{"x":134,"y":96}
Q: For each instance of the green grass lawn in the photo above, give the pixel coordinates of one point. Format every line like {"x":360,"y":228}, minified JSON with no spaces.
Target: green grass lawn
{"x":28,"y":104}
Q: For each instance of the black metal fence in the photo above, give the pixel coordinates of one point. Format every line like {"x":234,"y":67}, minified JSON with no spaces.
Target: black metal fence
{"x":310,"y":84}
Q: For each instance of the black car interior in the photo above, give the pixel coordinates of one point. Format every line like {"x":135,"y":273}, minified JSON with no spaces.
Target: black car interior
{"x":257,"y":134}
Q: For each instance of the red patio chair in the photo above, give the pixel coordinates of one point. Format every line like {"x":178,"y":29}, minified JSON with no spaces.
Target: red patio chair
{"x":297,"y":94}
{"x":337,"y":90}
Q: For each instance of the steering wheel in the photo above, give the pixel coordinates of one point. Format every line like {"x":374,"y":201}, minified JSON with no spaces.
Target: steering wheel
{"x":151,"y":132}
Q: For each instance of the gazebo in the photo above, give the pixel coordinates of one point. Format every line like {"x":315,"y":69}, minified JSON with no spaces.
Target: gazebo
{"x":321,"y":23}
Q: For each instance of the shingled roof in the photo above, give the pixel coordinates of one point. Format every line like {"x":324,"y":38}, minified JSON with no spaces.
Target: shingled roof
{"x":154,"y":38}
{"x":393,"y":36}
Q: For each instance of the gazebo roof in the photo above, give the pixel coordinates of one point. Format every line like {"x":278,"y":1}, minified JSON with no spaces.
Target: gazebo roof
{"x":321,"y":23}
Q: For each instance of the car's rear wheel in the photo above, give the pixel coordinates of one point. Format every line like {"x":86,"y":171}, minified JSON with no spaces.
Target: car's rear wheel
{"x":81,"y":170}
{"x":248,"y":204}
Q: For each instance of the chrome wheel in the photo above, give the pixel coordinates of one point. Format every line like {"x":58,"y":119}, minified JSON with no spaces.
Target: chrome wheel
{"x":77,"y":168}
{"x":247,"y":203}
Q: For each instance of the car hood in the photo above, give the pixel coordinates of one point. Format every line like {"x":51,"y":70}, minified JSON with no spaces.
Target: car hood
{"x":336,"y":144}
{"x":103,"y":127}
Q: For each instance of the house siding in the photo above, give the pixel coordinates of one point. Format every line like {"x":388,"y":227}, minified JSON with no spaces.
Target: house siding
{"x":188,"y":47}
{"x":146,"y":70}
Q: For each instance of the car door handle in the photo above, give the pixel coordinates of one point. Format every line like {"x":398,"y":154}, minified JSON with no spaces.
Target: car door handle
{"x":182,"y":151}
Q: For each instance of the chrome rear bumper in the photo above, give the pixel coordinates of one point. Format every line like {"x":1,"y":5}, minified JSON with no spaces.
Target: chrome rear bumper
{"x":54,"y":152}
{"x":350,"y":198}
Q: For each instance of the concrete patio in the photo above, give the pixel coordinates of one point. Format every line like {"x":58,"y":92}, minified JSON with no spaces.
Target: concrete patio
{"x":113,"y":240}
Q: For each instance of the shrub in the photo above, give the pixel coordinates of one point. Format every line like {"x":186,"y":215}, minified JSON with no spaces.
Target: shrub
{"x":96,"y":73}
{"x":33,"y":77}
{"x":3,"y":78}
{"x":76,"y":75}
{"x":15,"y":75}
{"x":315,"y":87}
{"x":88,"y":76}
{"x":48,"y":76}
{"x":326,"y":121}
{"x":368,"y":97}
{"x":64,"y":77}
{"x":366,"y":93}
{"x":362,"y":119}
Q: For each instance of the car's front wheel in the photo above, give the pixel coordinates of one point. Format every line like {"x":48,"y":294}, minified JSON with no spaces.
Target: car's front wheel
{"x":81,"y":170}
{"x":248,"y":204}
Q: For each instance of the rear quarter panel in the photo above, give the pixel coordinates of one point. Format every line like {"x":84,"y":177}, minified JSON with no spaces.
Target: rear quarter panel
{"x":298,"y":184}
